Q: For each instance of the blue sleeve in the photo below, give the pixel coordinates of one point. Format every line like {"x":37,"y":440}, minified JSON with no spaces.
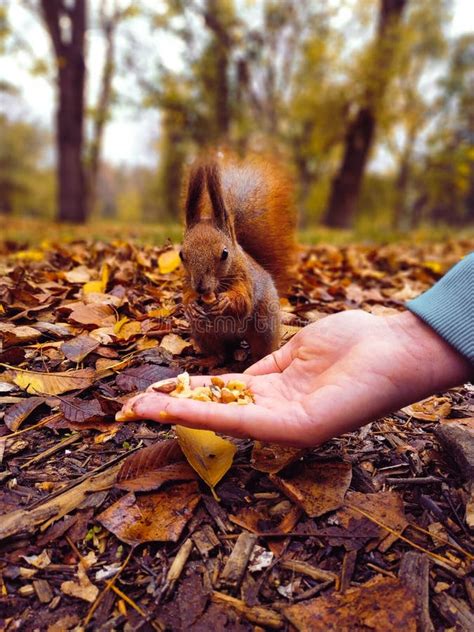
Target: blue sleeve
{"x":448,"y":307}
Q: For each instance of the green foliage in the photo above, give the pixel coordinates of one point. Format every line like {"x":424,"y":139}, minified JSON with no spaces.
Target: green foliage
{"x":25,"y":187}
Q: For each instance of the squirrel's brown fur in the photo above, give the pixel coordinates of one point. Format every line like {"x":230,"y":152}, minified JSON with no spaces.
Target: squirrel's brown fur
{"x":239,"y":246}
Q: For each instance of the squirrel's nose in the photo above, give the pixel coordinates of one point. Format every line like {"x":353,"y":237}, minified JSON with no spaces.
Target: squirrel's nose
{"x":202,"y":287}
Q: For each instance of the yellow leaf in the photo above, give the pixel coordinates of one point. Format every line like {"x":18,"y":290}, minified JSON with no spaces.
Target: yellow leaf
{"x":168,"y":261}
{"x":53,"y":383}
{"x":120,"y":323}
{"x":210,"y":455}
{"x":98,"y":286}
{"x":435,"y":266}
{"x":29,"y":255}
{"x":130,"y":330}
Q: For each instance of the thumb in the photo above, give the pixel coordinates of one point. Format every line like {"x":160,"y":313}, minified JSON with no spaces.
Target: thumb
{"x":275,"y":362}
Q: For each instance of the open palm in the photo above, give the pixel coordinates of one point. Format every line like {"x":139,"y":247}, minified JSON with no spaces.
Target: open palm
{"x":332,"y":377}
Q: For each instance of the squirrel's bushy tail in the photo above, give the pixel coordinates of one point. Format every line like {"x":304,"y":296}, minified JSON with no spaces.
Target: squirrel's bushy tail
{"x":260,"y":196}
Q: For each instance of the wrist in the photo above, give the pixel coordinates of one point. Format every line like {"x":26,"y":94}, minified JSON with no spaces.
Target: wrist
{"x":434,"y":364}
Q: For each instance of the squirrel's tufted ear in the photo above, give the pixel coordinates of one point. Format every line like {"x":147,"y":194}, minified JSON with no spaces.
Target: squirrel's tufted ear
{"x":194,"y":194}
{"x":220,"y":214}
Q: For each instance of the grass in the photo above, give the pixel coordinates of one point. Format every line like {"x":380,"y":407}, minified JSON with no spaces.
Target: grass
{"x":28,"y":232}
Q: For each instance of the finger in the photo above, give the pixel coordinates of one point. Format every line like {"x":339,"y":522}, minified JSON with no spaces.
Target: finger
{"x":238,"y":421}
{"x":275,"y":362}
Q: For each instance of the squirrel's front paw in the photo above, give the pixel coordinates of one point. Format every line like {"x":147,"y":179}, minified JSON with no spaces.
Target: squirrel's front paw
{"x":220,"y":306}
{"x":194,"y":311}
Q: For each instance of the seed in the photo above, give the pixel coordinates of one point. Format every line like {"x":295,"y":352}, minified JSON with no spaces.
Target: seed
{"x":218,"y":381}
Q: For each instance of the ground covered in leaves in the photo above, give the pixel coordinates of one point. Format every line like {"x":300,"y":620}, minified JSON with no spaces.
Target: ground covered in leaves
{"x":104,"y":525}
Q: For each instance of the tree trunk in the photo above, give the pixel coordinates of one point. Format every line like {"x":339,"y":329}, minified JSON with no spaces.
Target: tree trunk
{"x":102,"y":110}
{"x":69,"y":50}
{"x":360,"y":133}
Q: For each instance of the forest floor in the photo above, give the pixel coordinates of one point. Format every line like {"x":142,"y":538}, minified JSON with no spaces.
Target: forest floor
{"x":104,"y":526}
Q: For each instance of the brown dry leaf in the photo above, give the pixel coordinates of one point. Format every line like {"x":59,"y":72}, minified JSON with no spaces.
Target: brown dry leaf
{"x":270,"y":458}
{"x":17,"y":413}
{"x":317,"y":487}
{"x":431,"y":409}
{"x":210,"y":455}
{"x":156,"y":516}
{"x":79,"y":348}
{"x":154,"y":479}
{"x":174,"y":344}
{"x":93,"y":314}
{"x":379,"y":605}
{"x":261,"y":522}
{"x":81,"y":410}
{"x":152,"y":457}
{"x":138,"y":378}
{"x":386,"y":507}
{"x":53,"y":383}
{"x":83,"y":589}
{"x":79,"y":274}
{"x":168,"y":261}
{"x":11,"y":335}
{"x":150,"y":467}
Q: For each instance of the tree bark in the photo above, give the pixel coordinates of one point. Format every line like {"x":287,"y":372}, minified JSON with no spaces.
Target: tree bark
{"x":101,"y":112}
{"x":69,"y":51}
{"x":346,"y":186}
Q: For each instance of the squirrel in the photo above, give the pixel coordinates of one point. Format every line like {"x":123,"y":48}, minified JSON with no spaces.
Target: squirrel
{"x":238,"y":251}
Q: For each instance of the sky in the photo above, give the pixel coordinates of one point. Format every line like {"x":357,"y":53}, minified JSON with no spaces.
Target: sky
{"x":131,"y":135}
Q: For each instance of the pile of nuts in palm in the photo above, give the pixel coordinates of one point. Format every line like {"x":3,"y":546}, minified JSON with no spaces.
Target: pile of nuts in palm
{"x":232,"y":392}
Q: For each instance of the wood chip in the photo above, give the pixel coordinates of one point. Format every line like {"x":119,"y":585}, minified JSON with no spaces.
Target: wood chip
{"x":308,"y":569}
{"x":43,"y":590}
{"x":235,"y":566}
{"x":255,"y":614}
{"x":456,"y":612}
{"x":414,"y":573}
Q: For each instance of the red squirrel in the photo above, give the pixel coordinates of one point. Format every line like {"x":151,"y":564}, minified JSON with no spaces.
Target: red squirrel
{"x":238,"y":251}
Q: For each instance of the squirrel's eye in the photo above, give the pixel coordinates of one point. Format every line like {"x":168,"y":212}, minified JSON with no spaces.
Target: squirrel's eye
{"x":181,"y":256}
{"x":225,"y":254}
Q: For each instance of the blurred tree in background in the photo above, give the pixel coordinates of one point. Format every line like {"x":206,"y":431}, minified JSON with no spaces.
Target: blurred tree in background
{"x":370,"y":103}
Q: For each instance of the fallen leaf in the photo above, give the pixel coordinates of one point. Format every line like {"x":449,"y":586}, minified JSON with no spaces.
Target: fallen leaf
{"x":11,"y":335}
{"x":261,"y":522}
{"x":174,"y":344}
{"x":38,"y":561}
{"x":379,"y":605}
{"x":156,"y":516}
{"x":79,"y":274}
{"x":139,"y":378}
{"x":431,"y":409}
{"x":210,"y":455}
{"x":17,"y":413}
{"x":272,"y":458}
{"x":168,"y":261}
{"x":83,"y":589}
{"x":354,"y":537}
{"x":154,"y":465}
{"x":386,"y":507}
{"x":93,"y":314}
{"x":81,"y":410}
{"x":98,"y":286}
{"x":53,"y":383}
{"x":79,"y":348}
{"x":317,"y":487}
{"x":152,"y":457}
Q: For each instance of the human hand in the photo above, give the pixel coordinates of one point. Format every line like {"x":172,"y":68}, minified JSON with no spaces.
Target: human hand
{"x":332,"y":377}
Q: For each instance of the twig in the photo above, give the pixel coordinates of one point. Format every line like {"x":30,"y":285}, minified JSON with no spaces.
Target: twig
{"x":105,"y":590}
